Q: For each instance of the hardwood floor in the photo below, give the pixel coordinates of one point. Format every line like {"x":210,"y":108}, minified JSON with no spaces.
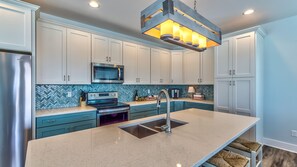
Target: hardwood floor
{"x":273,"y":157}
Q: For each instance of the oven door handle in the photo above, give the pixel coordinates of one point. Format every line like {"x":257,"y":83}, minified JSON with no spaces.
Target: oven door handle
{"x":113,"y":111}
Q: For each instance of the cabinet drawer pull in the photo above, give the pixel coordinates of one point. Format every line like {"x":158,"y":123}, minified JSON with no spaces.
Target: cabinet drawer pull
{"x":230,"y":83}
{"x":233,"y":83}
{"x":230,"y":72}
{"x":107,"y":58}
{"x":68,"y":77}
{"x":233,"y":72}
{"x":64,"y":77}
{"x":51,"y":121}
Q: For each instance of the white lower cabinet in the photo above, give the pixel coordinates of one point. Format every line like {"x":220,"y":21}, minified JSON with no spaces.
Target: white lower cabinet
{"x":177,"y":67}
{"x":136,"y":60}
{"x":160,"y":66}
{"x":234,"y":95}
{"x":63,"y":55}
{"x":16,"y":26}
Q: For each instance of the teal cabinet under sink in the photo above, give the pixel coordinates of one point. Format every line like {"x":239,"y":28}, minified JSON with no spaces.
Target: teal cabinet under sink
{"x":202,"y":106}
{"x":147,"y":110}
{"x":65,"y":123}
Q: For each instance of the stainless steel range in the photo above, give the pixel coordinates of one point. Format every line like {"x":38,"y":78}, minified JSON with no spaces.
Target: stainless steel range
{"x":109,"y":110}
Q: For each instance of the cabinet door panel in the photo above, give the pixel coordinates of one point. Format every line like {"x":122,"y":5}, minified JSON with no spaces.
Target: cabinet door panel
{"x":144,"y":64}
{"x":99,"y":49}
{"x":51,"y":54}
{"x":207,"y":67}
{"x":155,"y":66}
{"x":130,"y":62}
{"x":223,"y":95}
{"x":115,"y":51}
{"x":243,"y":95}
{"x":191,"y":67}
{"x":78,"y":57}
{"x":223,"y":59}
{"x":177,"y":67}
{"x":165,"y":67}
{"x":15,"y":29}
{"x":244,"y":55}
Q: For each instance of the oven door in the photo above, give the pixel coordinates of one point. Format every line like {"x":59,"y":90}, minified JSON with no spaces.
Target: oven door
{"x":106,"y":73}
{"x":117,"y":116}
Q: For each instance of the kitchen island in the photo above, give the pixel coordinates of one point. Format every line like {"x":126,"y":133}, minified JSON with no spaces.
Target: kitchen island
{"x":206,"y":133}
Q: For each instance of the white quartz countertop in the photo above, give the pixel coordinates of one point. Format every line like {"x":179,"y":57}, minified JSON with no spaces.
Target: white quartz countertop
{"x":206,"y":133}
{"x":71,"y":110}
{"x":138,"y":103}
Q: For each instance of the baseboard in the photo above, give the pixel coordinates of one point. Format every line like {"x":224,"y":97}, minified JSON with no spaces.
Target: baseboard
{"x":281,"y":145}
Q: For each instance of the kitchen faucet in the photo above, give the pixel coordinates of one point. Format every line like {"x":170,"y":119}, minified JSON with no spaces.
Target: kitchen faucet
{"x":167,"y":127}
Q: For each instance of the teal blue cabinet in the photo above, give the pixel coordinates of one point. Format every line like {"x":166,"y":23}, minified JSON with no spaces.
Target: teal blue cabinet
{"x":163,"y":108}
{"x":64,"y":128}
{"x":65,"y":123}
{"x":137,"y":112}
{"x":179,"y":105}
{"x":202,"y":106}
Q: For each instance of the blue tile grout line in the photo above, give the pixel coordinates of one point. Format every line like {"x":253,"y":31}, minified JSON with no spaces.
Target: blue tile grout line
{"x":55,"y":96}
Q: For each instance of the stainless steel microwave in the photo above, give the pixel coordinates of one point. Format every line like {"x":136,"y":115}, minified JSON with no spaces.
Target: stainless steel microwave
{"x":107,"y":73}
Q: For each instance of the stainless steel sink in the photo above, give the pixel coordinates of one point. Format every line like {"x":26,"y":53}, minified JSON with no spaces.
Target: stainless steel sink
{"x":144,"y":129}
{"x":139,"y":131}
{"x":157,"y":124}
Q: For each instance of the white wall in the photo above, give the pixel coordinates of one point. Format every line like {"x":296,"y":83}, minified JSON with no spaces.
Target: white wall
{"x":280,"y":82}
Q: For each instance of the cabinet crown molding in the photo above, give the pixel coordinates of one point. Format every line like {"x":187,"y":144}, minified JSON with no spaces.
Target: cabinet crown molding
{"x":256,"y":29}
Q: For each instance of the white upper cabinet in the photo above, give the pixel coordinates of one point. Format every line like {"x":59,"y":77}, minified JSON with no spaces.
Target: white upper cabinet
{"x":165,"y":67}
{"x":144,"y":64}
{"x":244,"y":55}
{"x":100,"y":49}
{"x":15,"y":29}
{"x":106,"y":50}
{"x":177,"y":67}
{"x":191,"y":67}
{"x":51,"y":54}
{"x":130,"y":62}
{"x":160,"y":66}
{"x":207,"y":67}
{"x":236,"y":57}
{"x":223,"y":60}
{"x":78,"y":57}
{"x":115,"y":51}
{"x":136,"y":60}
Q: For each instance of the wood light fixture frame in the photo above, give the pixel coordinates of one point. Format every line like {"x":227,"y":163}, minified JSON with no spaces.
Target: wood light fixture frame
{"x":163,"y":10}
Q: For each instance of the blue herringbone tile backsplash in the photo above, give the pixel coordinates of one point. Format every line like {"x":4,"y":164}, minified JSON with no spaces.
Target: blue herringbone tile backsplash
{"x":55,"y":96}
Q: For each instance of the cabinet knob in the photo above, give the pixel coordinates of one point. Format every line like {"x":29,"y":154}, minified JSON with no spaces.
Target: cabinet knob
{"x":68,"y":77}
{"x":64,"y":77}
{"x":230,"y":83}
{"x":230,"y":72}
{"x":107,"y":58}
{"x":233,"y":72}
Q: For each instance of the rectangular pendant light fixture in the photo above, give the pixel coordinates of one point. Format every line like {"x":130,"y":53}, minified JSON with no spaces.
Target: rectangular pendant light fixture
{"x":177,"y":23}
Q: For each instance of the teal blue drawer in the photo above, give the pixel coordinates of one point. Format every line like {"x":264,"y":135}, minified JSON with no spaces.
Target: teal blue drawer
{"x":65,"y":128}
{"x":143,"y":114}
{"x":143,"y":108}
{"x":199,"y":106}
{"x":64,"y":119}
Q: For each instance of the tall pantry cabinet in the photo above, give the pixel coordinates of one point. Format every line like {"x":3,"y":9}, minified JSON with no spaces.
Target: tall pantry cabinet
{"x":239,"y":76}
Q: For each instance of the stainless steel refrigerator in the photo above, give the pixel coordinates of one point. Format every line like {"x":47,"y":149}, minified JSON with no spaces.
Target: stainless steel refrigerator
{"x":15,"y":107}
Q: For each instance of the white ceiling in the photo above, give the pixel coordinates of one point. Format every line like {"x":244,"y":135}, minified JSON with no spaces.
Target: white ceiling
{"x":123,"y":16}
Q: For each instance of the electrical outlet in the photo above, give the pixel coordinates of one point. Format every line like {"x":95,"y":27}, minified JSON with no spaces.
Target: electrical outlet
{"x":69,"y":94}
{"x":294,"y":133}
{"x":148,"y":91}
